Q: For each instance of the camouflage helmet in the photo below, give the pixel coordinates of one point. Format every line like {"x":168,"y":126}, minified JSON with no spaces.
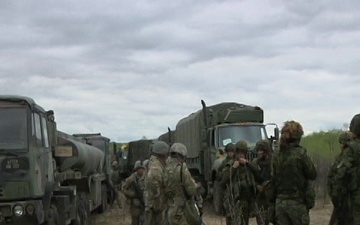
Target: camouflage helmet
{"x":138,"y":165}
{"x":292,"y":130}
{"x":114,"y":163}
{"x":160,"y":147}
{"x":146,"y":163}
{"x":241,"y":147}
{"x":355,"y":125}
{"x":230,"y":147}
{"x":179,"y":148}
{"x":263,"y":145}
{"x":345,"y":137}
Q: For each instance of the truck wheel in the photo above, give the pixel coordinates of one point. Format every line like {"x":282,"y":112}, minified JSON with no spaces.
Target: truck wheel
{"x":82,"y":214}
{"x":218,"y":198}
{"x":53,"y":216}
{"x":102,"y":208}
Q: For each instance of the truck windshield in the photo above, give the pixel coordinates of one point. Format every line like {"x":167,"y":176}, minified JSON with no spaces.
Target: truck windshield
{"x":13,"y":128}
{"x":249,"y":133}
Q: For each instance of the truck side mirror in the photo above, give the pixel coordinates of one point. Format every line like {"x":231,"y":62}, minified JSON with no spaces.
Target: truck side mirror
{"x":276,"y":133}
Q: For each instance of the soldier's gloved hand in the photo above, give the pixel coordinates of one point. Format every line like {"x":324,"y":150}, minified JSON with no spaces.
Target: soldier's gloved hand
{"x":236,"y":164}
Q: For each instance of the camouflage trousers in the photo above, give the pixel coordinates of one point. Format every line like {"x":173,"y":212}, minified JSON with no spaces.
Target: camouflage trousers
{"x":175,"y":216}
{"x":241,"y":213}
{"x":137,"y":215}
{"x":117,"y":198}
{"x":291,"y":212}
{"x":355,"y":205}
{"x":261,"y":211}
{"x":154,"y":217}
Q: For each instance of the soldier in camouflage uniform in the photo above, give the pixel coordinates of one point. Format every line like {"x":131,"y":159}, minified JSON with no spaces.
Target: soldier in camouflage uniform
{"x":263,"y":177}
{"x":291,"y":171}
{"x":155,"y":198}
{"x":179,"y":185}
{"x":346,"y":180}
{"x":134,"y":191}
{"x":219,"y":190}
{"x":338,"y":183}
{"x":115,"y":184}
{"x":238,"y":178}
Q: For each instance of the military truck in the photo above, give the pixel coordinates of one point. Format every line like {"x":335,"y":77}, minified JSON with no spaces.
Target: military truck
{"x":136,"y":150}
{"x":168,"y":137}
{"x":207,"y":131}
{"x":46,"y":176}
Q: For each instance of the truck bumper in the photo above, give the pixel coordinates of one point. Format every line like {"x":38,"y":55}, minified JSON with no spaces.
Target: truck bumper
{"x":22,"y":212}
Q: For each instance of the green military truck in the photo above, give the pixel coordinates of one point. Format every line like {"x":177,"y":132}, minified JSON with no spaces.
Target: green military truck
{"x":136,"y":150}
{"x":46,"y":176}
{"x":207,"y":131}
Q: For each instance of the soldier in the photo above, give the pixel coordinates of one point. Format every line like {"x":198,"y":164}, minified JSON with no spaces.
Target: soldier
{"x":218,"y":189}
{"x":345,"y":182}
{"x":179,"y":185}
{"x":134,"y":190}
{"x":155,"y":199}
{"x":291,"y":171}
{"x":263,"y":177}
{"x":238,"y":177}
{"x":230,"y":152}
{"x":115,"y":184}
{"x":338,"y":183}
{"x":353,"y":157}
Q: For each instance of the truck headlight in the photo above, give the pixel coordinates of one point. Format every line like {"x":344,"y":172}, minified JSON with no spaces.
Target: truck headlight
{"x":18,"y":210}
{"x":30,"y":209}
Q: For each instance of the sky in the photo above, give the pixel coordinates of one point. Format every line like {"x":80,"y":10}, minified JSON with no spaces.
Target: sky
{"x":131,"y":69}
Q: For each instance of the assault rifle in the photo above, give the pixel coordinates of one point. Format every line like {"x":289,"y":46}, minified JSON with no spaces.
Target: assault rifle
{"x":139,"y":194}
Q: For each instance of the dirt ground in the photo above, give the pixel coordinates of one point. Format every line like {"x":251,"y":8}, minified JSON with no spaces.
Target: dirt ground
{"x":320,"y":215}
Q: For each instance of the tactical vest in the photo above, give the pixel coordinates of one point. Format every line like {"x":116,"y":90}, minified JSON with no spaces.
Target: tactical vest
{"x":265,"y":166}
{"x":243,"y":184}
{"x":354,"y":179}
{"x":172,"y":182}
{"x":290,"y":181}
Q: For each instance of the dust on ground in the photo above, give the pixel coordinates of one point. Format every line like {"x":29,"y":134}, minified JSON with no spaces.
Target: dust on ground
{"x":320,"y":215}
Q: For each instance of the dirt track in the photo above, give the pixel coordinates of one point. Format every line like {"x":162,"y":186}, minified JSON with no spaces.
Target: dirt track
{"x":320,"y":215}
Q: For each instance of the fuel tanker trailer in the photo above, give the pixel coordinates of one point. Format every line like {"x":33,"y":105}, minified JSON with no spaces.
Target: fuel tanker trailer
{"x":46,"y":176}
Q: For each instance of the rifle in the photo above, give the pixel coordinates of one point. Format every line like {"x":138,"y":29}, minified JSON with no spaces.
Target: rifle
{"x":139,"y":194}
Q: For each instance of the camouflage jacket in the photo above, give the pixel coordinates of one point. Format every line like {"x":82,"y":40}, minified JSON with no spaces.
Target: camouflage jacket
{"x":134,"y":186}
{"x":292,"y":168}
{"x":264,"y":174}
{"x":342,"y":176}
{"x":179,"y":184}
{"x":223,"y":164}
{"x":240,"y":180}
{"x":154,"y":191}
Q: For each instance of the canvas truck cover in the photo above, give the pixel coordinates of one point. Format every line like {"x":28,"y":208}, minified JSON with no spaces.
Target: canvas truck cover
{"x":138,"y":150}
{"x":191,"y":130}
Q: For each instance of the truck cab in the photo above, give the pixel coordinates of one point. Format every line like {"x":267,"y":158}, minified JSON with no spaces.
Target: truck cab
{"x":27,"y":169}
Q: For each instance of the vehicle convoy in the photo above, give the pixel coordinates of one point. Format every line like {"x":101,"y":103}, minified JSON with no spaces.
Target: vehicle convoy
{"x":47,"y":176}
{"x":207,"y":131}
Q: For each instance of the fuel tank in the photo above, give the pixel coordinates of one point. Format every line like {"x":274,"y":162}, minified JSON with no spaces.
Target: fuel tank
{"x":78,"y":156}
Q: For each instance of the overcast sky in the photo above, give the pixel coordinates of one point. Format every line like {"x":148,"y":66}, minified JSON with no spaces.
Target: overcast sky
{"x":130,"y":69}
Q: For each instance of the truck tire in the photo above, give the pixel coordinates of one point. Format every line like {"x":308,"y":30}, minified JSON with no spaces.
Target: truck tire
{"x":82,"y":214}
{"x":102,"y":208}
{"x":53,"y":216}
{"x":218,"y":199}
